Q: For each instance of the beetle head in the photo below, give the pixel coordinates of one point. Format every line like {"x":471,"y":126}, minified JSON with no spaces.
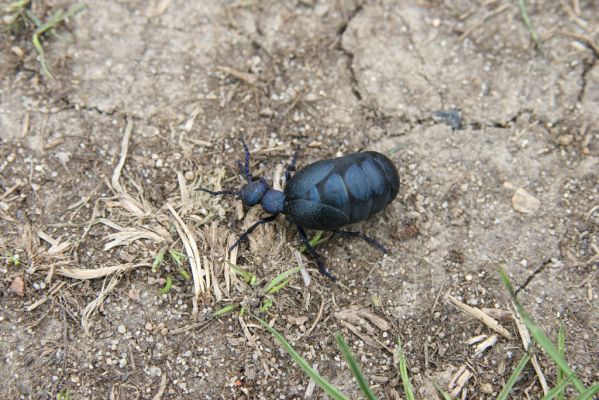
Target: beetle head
{"x":253,"y":192}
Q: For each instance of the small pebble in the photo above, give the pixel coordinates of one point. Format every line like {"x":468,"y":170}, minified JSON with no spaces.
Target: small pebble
{"x":266,"y":112}
{"x":565,"y":140}
{"x":468,"y":277}
{"x":486,"y":388}
{"x":524,"y":202}
{"x":155,"y":371}
{"x":121,"y":329}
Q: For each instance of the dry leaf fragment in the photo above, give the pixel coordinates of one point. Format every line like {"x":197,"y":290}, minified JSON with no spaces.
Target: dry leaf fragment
{"x":18,"y":286}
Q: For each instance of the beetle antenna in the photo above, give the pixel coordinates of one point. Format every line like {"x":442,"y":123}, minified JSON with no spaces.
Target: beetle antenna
{"x":225,"y":192}
{"x":246,"y":170}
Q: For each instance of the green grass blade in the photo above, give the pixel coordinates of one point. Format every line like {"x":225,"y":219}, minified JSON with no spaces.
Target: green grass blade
{"x":355,"y":368}
{"x":247,"y":277}
{"x":446,"y":396}
{"x":540,"y":336}
{"x":558,"y":390}
{"x":272,"y":285}
{"x":505,"y":392}
{"x":526,"y":19}
{"x":561,"y":348}
{"x":590,"y":393}
{"x":14,"y":7}
{"x":225,"y":310}
{"x":183,"y":272}
{"x":40,"y":50}
{"x":315,"y":241}
{"x":167,"y":286}
{"x":42,"y":28}
{"x":303,"y":364}
{"x":177,"y":257}
{"x":158,"y":259}
{"x":403,"y":371}
{"x":278,"y":287}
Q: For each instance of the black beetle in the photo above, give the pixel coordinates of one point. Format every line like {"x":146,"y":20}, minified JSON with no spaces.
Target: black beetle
{"x":326,"y":195}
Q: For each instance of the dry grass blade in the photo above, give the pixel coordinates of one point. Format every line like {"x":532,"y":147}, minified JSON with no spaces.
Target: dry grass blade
{"x":86,"y":274}
{"x":479,"y":315}
{"x":357,"y":314}
{"x":127,"y":201}
{"x":91,"y":308}
{"x":193,"y":255}
{"x":130,"y":235}
{"x":526,"y":342}
{"x":250,"y":79}
{"x":353,"y":316}
{"x":56,"y":247}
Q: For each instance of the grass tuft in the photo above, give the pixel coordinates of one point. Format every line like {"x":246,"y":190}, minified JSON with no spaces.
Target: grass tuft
{"x":540,"y":336}
{"x":279,"y":281}
{"x":19,"y":15}
{"x":325,"y":385}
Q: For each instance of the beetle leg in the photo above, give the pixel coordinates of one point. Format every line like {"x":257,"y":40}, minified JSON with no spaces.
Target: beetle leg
{"x":291,"y":166}
{"x":321,"y":267}
{"x":245,"y":234}
{"x":371,"y":241}
{"x":246,"y":166}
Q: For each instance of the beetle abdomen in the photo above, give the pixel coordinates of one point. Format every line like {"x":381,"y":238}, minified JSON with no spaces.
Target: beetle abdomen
{"x":333,"y":193}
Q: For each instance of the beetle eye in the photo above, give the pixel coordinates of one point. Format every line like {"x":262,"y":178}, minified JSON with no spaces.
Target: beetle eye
{"x":252,"y":193}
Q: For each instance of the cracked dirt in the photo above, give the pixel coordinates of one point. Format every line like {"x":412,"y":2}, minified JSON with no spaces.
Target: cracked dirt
{"x":333,"y":77}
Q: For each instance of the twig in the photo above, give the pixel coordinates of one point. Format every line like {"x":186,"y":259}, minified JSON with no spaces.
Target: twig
{"x":493,"y":13}
{"x":489,"y":342}
{"x":318,"y":316}
{"x":202,"y":325}
{"x":479,"y":315}
{"x":583,"y":38}
{"x":252,"y":343}
{"x":46,"y":298}
{"x":9,"y":191}
{"x":250,"y":79}
{"x":161,"y":388}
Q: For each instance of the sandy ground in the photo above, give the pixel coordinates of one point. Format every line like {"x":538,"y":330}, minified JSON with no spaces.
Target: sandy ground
{"x":99,"y":166}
